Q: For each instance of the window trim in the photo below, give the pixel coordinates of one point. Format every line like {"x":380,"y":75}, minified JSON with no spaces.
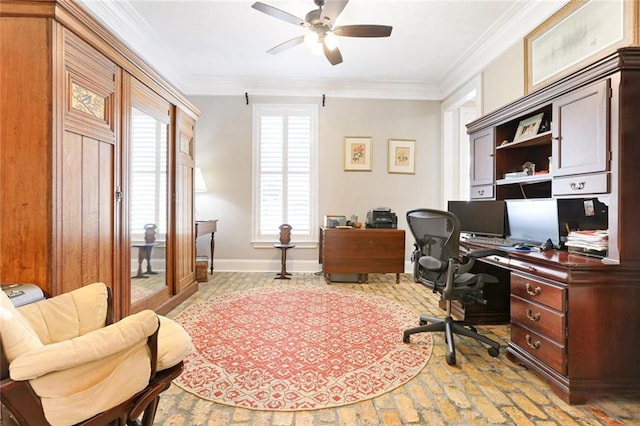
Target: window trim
{"x":310,"y":241}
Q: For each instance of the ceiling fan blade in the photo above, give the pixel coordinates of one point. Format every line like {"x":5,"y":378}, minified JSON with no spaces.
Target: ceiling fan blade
{"x":363,"y":31}
{"x":279,"y":14}
{"x":286,"y":45}
{"x":334,"y":56}
{"x":331,"y":10}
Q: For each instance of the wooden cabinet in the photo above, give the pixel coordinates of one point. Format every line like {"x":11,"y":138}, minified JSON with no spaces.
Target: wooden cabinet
{"x":64,"y":174}
{"x":581,"y":130}
{"x":538,"y":320}
{"x":362,"y":251}
{"x":184,"y":217}
{"x":571,"y":314}
{"x":482,"y":164}
{"x":86,"y":169}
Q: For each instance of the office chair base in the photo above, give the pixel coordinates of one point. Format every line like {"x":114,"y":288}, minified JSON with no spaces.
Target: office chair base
{"x":450,"y":327}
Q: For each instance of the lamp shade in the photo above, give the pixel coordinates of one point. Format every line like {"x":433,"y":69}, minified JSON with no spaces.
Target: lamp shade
{"x":199,"y":185}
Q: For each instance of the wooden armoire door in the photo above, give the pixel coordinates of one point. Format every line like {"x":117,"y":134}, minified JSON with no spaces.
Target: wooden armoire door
{"x":86,"y":207}
{"x":184,"y":202}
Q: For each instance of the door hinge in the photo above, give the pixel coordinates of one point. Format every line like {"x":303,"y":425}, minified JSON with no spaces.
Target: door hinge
{"x":118,"y":193}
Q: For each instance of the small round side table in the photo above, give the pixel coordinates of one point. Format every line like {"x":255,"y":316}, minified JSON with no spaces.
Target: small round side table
{"x":283,"y":261}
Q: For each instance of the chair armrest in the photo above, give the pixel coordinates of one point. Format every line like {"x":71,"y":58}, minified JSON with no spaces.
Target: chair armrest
{"x":478,"y":253}
{"x":126,"y":333}
{"x":471,"y":256}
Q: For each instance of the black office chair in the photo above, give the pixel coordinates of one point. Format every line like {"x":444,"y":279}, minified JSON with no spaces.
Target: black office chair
{"x":438,"y":266}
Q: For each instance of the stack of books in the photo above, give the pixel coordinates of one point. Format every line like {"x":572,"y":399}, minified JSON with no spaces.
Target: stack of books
{"x":593,"y":243}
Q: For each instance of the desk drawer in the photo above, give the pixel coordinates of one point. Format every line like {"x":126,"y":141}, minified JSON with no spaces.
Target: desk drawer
{"x":538,"y":318}
{"x":545,"y":350}
{"x":581,"y":184}
{"x":540,"y":292}
{"x":482,"y":191}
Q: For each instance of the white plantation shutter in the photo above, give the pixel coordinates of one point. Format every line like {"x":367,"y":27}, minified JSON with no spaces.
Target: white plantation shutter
{"x":148,"y":174}
{"x":285,"y":171}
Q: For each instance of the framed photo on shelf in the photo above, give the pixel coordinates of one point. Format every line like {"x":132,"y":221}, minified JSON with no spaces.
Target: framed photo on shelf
{"x":401,"y":156}
{"x":357,"y":153}
{"x":528,"y":127}
{"x":334,"y":220}
{"x":579,"y":33}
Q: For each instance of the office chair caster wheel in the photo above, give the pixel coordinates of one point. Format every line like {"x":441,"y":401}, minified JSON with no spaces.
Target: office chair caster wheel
{"x":493,"y":352}
{"x":423,"y":322}
{"x":406,"y":338}
{"x":451,"y":359}
{"x":472,"y":328}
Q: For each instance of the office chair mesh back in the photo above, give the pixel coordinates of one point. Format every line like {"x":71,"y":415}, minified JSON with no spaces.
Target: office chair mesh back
{"x":436,"y":234}
{"x":436,"y":263}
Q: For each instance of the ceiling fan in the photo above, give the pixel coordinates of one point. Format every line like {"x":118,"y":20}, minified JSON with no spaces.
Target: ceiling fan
{"x":322,"y":34}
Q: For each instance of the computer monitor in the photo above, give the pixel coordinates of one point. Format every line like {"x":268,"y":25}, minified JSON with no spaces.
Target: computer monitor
{"x":533,"y":221}
{"x":484,"y":218}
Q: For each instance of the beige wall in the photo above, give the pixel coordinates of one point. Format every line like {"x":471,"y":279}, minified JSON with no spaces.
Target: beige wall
{"x":503,"y":79}
{"x":224,"y":146}
{"x":223,"y":151}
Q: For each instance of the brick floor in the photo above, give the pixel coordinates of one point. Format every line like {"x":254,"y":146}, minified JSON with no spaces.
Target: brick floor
{"x":480,"y":390}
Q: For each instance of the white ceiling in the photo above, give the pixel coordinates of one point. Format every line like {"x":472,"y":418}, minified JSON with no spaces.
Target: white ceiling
{"x":218,"y":47}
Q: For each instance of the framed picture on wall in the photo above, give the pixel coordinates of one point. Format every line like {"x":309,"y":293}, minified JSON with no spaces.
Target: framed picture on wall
{"x":579,"y":33}
{"x":357,"y":153}
{"x":401,"y":156}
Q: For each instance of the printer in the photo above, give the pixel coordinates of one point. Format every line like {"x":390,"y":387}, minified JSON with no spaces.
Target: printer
{"x":382,"y":217}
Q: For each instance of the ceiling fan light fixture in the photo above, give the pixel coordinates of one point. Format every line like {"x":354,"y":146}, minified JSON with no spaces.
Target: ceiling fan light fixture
{"x":311,"y":38}
{"x":331,"y":40}
{"x":317,"y":49}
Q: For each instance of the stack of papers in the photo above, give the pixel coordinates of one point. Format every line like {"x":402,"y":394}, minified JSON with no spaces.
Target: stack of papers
{"x":588,"y":241}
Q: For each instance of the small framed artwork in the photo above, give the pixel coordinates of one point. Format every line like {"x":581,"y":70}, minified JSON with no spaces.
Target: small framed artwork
{"x":334,"y":220}
{"x":528,"y":127}
{"x":402,"y":156}
{"x":357,"y":153}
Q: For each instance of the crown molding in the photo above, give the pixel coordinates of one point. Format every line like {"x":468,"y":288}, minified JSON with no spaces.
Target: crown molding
{"x":512,"y":27}
{"x":520,"y":19}
{"x":122,"y":19}
{"x":338,"y":88}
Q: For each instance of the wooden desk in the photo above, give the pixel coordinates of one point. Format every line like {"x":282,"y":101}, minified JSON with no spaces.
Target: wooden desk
{"x":204,"y":227}
{"x":361,"y":251}
{"x":573,"y":321}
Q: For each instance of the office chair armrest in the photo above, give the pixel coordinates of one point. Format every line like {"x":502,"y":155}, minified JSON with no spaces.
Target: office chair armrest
{"x":469,"y":258}
{"x":478,"y":253}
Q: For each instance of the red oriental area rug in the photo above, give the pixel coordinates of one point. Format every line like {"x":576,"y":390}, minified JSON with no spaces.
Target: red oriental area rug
{"x":299,"y":348}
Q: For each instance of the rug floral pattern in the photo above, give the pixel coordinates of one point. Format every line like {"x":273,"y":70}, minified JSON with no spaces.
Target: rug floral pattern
{"x":299,"y":348}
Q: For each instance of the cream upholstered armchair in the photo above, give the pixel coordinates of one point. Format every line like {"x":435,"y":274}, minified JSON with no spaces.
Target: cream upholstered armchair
{"x":64,"y":362}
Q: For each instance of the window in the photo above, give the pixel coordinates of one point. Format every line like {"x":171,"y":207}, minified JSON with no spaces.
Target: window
{"x":148,"y":174}
{"x":285,"y":172}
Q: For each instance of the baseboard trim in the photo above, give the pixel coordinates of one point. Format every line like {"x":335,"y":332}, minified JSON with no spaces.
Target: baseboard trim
{"x":263,"y":265}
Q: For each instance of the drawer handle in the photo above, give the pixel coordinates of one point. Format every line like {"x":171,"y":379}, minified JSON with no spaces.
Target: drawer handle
{"x":481,"y":192}
{"x":534,"y":345}
{"x":533,"y":292}
{"x":577,"y":186}
{"x":532,"y":316}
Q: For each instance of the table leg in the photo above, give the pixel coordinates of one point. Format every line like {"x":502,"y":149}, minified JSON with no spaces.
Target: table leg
{"x":141,"y":256}
{"x":148,"y":257}
{"x":283,"y":265}
{"x":212,"y":248}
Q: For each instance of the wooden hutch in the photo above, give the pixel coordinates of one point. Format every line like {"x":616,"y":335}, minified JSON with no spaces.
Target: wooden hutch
{"x":69,"y":91}
{"x":574,"y":319}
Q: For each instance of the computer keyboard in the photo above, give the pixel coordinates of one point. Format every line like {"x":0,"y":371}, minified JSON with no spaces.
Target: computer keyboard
{"x":490,"y":241}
